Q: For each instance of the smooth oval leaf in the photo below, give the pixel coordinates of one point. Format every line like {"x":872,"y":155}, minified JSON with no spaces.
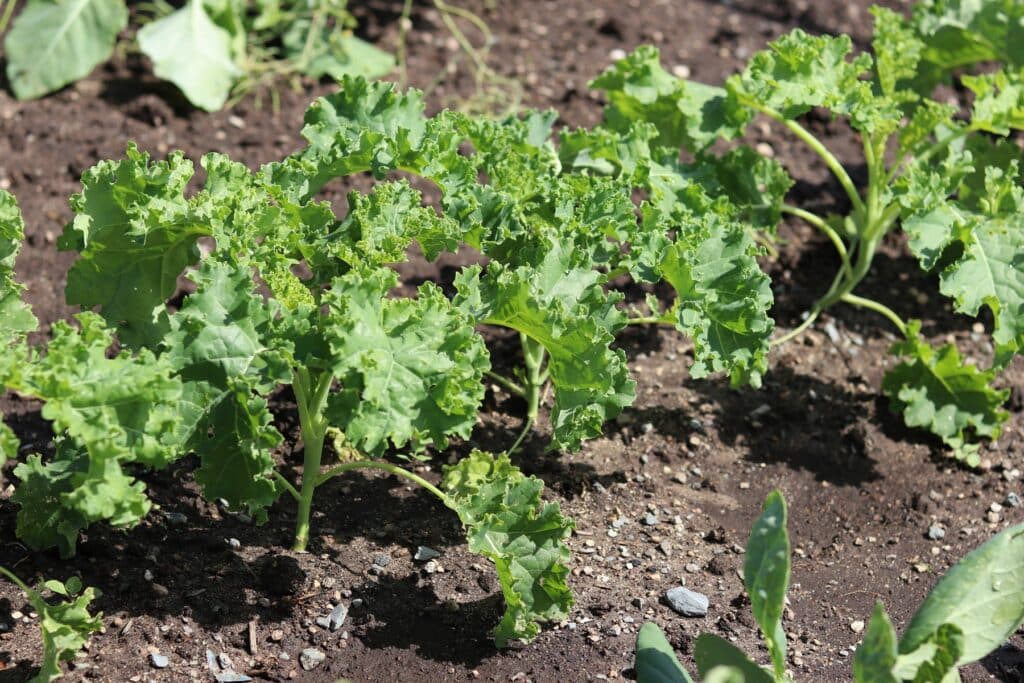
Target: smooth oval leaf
{"x":656,"y":662}
{"x":982,"y":595}
{"x":52,"y":44}
{"x":766,"y":575}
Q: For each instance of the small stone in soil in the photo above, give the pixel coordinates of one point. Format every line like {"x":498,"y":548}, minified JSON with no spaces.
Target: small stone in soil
{"x":936,"y":532}
{"x":231,"y":677}
{"x":335,"y":619}
{"x":382,"y":560}
{"x":857,"y":626}
{"x":620,"y":522}
{"x":1013,"y":500}
{"x":311,"y":658}
{"x":651,"y":519}
{"x":423,"y":553}
{"x":158,"y":660}
{"x":687,"y":602}
{"x":233,"y":543}
{"x":176,"y":518}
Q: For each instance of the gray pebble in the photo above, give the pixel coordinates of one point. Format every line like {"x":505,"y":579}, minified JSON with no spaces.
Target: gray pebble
{"x":231,"y":677}
{"x":1013,"y":500}
{"x":176,"y":518}
{"x":158,"y":661}
{"x":620,"y":522}
{"x":651,"y":519}
{"x":234,"y":543}
{"x":832,"y":332}
{"x":311,"y":658}
{"x":382,"y":560}
{"x":687,"y":602}
{"x":936,"y":532}
{"x":423,"y":553}
{"x":337,"y":616}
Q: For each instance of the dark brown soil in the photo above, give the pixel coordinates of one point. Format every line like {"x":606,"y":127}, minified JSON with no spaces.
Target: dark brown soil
{"x":862,"y":488}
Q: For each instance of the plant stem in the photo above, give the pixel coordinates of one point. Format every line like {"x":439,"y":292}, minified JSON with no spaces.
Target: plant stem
{"x":833,"y":164}
{"x":401,"y":51}
{"x":648,"y":320}
{"x":287,"y":485}
{"x":8,"y":11}
{"x":381,"y":465}
{"x":533,"y":358}
{"x":527,"y":426}
{"x":873,"y":305}
{"x":310,"y":398}
{"x":507,"y":383}
{"x":824,"y":227}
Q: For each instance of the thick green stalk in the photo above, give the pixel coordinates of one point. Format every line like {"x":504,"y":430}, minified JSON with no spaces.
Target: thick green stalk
{"x":533,"y":358}
{"x":310,"y":396}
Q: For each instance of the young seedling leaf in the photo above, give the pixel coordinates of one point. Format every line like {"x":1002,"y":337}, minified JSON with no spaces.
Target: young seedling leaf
{"x":66,"y":625}
{"x":713,"y":652}
{"x":192,"y":52}
{"x":935,"y":389}
{"x":998,"y":101}
{"x":876,"y":655}
{"x":53,"y":43}
{"x":766,"y":575}
{"x":507,"y":522}
{"x":982,"y":596}
{"x":656,"y":661}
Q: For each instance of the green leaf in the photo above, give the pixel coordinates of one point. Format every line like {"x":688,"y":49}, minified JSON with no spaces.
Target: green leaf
{"x":66,"y":625}
{"x":575,"y":320}
{"x":959,"y":33}
{"x":936,"y":390}
{"x":135,"y":236}
{"x":192,"y":52}
{"x":60,"y":498}
{"x":897,"y":51}
{"x":381,"y":225}
{"x":948,"y":645}
{"x":55,"y":42}
{"x":507,"y":522}
{"x":982,"y":596}
{"x":988,"y":271}
{"x":656,"y":662}
{"x":712,"y":652}
{"x":365,"y":126}
{"x":723,"y":299}
{"x":800,"y":71}
{"x":753,"y":183}
{"x":685,"y":113}
{"x":876,"y":655}
{"x":766,"y":575}
{"x":16,"y":317}
{"x":410,"y":370}
{"x":218,"y":346}
{"x":333,"y":52}
{"x":998,"y":101}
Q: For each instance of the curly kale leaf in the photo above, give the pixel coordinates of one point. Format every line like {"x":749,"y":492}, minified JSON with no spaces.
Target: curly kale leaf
{"x":219,"y":346}
{"x":988,"y":268}
{"x":800,"y":71}
{"x":410,"y":369}
{"x":935,"y":389}
{"x":685,"y":113}
{"x":135,"y":236}
{"x":569,"y":314}
{"x":16,"y":317}
{"x":506,"y":521}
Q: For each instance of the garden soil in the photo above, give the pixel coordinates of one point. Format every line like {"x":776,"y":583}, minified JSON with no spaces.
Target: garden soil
{"x":665,"y":497}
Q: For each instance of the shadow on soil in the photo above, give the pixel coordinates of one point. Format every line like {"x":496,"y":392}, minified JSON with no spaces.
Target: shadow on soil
{"x":797,"y":420}
{"x":404,"y":612}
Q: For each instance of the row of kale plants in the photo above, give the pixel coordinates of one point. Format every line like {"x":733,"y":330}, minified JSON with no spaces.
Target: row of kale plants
{"x":285,"y":293}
